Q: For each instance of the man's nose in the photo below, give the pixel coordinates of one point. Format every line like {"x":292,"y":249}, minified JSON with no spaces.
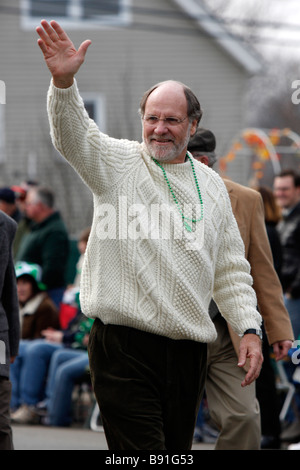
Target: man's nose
{"x":161,"y":127}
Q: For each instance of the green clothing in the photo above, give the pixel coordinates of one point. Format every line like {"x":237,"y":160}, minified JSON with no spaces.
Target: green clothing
{"x":47,"y":244}
{"x":83,"y":330}
{"x":22,"y":230}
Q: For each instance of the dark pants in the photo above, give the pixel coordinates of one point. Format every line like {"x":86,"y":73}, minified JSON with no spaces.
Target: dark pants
{"x":267,"y":395}
{"x":148,"y":387}
{"x":6,"y":442}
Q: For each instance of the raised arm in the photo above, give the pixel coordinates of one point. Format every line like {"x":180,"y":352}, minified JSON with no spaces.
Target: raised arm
{"x":60,"y":54}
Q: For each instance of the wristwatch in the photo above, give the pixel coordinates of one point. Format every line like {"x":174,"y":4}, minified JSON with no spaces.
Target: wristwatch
{"x":253,"y":331}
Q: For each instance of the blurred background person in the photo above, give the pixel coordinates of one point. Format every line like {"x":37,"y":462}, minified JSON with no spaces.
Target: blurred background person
{"x":286,"y":189}
{"x":37,"y":311}
{"x":40,"y":378}
{"x":67,"y":366}
{"x":8,"y":203}
{"x":237,"y":415}
{"x":47,"y":243}
{"x":272,"y":218}
{"x":24,"y":222}
{"x":287,"y":194}
{"x":266,"y":383}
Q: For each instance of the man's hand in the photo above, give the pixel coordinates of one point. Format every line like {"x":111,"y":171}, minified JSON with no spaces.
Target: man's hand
{"x":61,"y":57}
{"x":250,"y":348}
{"x":281,"y":349}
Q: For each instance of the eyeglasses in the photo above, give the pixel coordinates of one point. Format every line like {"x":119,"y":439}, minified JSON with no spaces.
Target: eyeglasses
{"x":169,"y":121}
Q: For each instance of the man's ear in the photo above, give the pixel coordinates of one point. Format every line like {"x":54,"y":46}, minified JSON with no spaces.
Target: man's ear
{"x":193,"y":127}
{"x":203,"y":159}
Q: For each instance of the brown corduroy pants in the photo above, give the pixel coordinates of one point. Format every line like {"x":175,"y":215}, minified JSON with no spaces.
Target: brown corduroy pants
{"x":148,"y":387}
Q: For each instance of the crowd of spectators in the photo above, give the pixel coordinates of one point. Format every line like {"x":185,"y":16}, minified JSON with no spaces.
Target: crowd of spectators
{"x":53,"y":331}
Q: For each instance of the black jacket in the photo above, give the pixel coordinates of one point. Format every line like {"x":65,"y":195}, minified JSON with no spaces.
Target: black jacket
{"x":276,"y":247}
{"x":289,"y":232}
{"x":9,"y":306}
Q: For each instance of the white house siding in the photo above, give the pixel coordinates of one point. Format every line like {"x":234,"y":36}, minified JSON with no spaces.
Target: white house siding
{"x":121,"y":64}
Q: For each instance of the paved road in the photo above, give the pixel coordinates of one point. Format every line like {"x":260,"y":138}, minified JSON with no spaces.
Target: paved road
{"x":48,"y":438}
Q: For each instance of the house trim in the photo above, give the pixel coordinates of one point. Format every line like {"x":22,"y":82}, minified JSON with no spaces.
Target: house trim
{"x":246,"y":57}
{"x":74,"y":20}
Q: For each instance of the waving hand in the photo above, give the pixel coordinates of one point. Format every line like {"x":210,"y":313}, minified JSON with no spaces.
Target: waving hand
{"x":60,"y":54}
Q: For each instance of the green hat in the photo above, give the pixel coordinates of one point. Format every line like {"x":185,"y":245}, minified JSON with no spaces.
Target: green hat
{"x":23,"y":268}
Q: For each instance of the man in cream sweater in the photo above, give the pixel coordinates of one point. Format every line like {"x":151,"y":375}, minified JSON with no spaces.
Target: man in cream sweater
{"x":163,"y":242}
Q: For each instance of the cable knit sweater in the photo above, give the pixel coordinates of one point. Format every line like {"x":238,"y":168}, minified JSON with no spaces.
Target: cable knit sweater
{"x":142,"y":268}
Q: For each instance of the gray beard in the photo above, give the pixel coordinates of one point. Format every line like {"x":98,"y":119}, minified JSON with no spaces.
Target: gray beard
{"x":166,"y":156}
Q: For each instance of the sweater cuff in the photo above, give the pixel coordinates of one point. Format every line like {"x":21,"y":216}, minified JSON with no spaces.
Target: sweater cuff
{"x":63,"y":93}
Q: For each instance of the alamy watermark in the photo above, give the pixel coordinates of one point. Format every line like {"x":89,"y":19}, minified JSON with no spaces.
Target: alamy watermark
{"x":296,"y":352}
{"x":2,"y":353}
{"x":296,"y":93}
{"x":139,"y":221}
{"x":2,"y":92}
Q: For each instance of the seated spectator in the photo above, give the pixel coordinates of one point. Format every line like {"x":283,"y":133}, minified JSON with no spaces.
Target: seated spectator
{"x":66,"y":367}
{"x":35,"y":367}
{"x":37,"y":311}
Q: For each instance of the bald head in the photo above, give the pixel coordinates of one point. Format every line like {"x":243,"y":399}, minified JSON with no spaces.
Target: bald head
{"x":193,"y":106}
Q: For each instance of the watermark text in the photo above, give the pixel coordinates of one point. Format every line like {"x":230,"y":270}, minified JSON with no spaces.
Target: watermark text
{"x":296,"y":93}
{"x":296,"y":353}
{"x":139,"y":221}
{"x":2,"y":353}
{"x":2,"y":92}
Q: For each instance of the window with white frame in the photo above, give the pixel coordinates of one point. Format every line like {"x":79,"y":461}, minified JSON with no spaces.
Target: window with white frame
{"x":2,"y":134}
{"x":95,"y":105}
{"x":76,"y":14}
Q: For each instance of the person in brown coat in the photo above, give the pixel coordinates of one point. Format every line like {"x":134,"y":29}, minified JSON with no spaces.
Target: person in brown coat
{"x":236,"y":410}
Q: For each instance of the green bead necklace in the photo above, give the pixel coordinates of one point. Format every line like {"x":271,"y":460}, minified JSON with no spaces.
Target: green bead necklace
{"x":185,"y":219}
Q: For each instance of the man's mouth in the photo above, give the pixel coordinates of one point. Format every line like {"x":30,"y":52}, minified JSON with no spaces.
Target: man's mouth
{"x":161,"y":141}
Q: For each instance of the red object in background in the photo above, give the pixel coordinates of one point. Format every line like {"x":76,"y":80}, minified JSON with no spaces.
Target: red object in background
{"x":66,"y":314}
